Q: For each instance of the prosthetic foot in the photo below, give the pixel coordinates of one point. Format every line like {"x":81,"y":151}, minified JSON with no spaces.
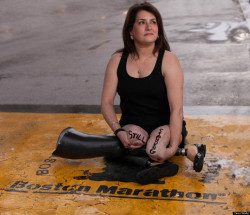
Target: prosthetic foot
{"x":199,"y":157}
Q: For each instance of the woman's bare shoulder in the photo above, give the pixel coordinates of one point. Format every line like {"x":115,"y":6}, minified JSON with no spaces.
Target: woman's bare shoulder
{"x":114,"y":61}
{"x":116,"y":57}
{"x":170,"y":60}
{"x":170,"y":64}
{"x":170,"y":57}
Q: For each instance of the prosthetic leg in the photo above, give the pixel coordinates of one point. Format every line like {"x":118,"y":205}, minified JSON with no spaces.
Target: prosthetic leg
{"x":73,"y":144}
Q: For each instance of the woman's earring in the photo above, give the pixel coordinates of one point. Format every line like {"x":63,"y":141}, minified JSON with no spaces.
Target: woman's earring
{"x":131,"y":37}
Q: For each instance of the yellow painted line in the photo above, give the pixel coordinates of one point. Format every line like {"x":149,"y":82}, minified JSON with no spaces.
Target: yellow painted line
{"x":34,"y":182}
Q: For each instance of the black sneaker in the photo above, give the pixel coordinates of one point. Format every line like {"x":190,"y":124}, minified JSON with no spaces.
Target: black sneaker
{"x":199,"y":157}
{"x":152,"y":173}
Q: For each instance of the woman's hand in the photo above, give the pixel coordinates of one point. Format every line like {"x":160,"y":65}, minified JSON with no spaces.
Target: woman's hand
{"x":127,"y":142}
{"x":135,"y":141}
{"x":123,"y":137}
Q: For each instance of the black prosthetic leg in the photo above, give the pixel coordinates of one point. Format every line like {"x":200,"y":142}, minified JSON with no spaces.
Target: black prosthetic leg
{"x":73,"y":144}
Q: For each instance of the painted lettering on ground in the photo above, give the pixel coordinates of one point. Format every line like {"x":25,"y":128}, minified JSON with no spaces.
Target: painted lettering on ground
{"x":43,"y":168}
{"x":213,"y":169}
{"x":116,"y":192}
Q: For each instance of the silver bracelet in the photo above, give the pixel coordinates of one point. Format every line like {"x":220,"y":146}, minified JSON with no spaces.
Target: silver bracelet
{"x":114,"y":122}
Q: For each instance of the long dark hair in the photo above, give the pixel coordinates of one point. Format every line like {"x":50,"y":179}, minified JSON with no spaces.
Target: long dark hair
{"x":129,"y":45}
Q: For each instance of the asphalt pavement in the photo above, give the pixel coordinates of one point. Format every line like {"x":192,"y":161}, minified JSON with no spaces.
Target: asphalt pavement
{"x":54,"y":53}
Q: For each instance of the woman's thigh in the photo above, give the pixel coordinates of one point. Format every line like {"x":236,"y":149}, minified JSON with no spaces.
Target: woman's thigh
{"x":157,"y":143}
{"x":136,"y":134}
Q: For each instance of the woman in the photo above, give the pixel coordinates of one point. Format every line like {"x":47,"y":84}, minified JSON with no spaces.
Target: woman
{"x":149,"y":81}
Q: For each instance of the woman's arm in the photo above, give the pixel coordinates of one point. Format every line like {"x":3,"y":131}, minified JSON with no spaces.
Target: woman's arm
{"x":174,"y":79}
{"x":108,"y":96}
{"x":109,"y":92}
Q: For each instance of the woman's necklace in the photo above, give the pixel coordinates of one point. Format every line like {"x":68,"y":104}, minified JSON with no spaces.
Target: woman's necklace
{"x":139,"y":70}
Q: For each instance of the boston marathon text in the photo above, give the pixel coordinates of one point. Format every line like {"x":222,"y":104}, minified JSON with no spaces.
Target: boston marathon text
{"x":22,"y":186}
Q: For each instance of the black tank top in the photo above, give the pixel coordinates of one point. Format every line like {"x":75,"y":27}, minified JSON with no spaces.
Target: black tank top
{"x":143,"y":101}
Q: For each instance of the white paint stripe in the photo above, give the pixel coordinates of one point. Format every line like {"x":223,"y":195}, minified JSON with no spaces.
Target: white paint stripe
{"x":217,"y":110}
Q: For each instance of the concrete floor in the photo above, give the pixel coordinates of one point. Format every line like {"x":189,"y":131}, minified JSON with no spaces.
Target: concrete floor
{"x":33,"y":182}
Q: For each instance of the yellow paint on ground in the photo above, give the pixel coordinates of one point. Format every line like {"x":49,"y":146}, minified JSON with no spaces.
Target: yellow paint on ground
{"x":33,"y":182}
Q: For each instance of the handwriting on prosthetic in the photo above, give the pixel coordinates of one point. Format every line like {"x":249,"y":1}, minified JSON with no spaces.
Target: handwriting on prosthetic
{"x":152,"y":151}
{"x":133,"y":135}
